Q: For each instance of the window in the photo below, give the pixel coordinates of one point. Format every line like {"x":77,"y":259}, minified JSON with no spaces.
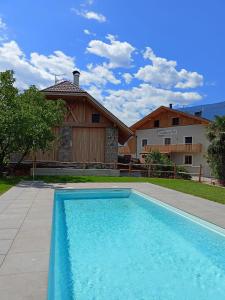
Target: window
{"x":188,"y":140}
{"x":175,"y":121}
{"x":188,"y":160}
{"x":144,"y":142}
{"x":156,"y":123}
{"x":95,"y":118}
{"x":167,"y":141}
{"x":198,"y":113}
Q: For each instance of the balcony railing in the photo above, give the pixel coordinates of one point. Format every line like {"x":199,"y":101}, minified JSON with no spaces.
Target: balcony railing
{"x":174,"y":148}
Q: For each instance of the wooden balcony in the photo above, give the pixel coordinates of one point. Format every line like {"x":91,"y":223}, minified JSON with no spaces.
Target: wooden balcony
{"x":178,"y":148}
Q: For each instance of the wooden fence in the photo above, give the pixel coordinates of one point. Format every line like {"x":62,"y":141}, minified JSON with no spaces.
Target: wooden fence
{"x":131,"y":168}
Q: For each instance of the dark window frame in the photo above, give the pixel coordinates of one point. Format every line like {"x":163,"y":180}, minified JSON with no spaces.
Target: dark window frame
{"x":156,"y":123}
{"x":188,"y":137}
{"x":167,"y":138}
{"x":188,"y":160}
{"x":95,"y":118}
{"x":175,"y":121}
{"x":143,"y":142}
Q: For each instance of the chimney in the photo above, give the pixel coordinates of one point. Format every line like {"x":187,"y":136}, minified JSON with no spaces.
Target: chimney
{"x":171,"y":106}
{"x":76,"y":76}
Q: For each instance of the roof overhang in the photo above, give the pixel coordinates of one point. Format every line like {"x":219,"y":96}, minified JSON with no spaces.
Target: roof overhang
{"x":160,"y":109}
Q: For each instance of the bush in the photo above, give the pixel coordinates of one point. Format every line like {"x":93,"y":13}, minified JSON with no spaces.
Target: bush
{"x":159,"y":165}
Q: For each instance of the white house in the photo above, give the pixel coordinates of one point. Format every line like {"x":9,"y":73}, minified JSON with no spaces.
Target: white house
{"x":180,"y":135}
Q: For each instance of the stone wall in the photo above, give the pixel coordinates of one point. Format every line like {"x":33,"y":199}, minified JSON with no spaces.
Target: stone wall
{"x":65,"y":147}
{"x":111,"y":145}
{"x":74,"y":172}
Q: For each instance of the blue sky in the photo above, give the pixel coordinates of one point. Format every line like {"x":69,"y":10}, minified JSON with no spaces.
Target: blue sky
{"x":133,"y":55}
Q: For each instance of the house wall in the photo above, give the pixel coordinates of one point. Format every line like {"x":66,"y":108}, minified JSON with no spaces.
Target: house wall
{"x":81,"y":140}
{"x":156,"y":136}
{"x":111,"y":145}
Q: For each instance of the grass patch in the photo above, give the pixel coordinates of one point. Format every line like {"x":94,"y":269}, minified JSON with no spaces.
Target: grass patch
{"x":6,"y":184}
{"x":209,"y":192}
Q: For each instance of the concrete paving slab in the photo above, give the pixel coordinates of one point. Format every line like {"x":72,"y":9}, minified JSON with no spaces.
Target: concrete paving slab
{"x":11,"y":223}
{"x":1,"y":259}
{"x":30,"y":244}
{"x":25,"y":262}
{"x":42,"y":233}
{"x":5,"y":246}
{"x":36,"y":224}
{"x":7,"y":234}
{"x":27,"y":286}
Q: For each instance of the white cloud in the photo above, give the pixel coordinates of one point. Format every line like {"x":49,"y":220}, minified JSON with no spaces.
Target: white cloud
{"x":163,"y":73}
{"x":128,"y":104}
{"x":131,"y":105}
{"x":56,"y":63}
{"x":127,"y":77}
{"x":98,"y":75}
{"x":87,"y":3}
{"x":38,"y":69}
{"x":2,"y":24}
{"x":90,"y":15}
{"x":88,"y":32}
{"x":118,"y":53}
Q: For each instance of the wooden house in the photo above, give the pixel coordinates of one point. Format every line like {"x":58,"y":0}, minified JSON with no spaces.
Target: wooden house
{"x":179,"y":135}
{"x":90,"y":133}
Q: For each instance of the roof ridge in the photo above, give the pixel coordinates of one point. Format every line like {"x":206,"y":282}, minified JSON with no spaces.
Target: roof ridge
{"x":56,"y":87}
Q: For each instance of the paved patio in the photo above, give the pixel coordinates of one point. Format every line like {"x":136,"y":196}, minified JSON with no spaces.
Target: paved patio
{"x":25,"y":228}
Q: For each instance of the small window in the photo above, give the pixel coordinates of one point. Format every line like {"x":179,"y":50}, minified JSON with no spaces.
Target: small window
{"x":198,"y":113}
{"x":167,"y":141}
{"x":144,"y":142}
{"x":156,"y":123}
{"x":175,"y":121}
{"x":188,"y":160}
{"x":188,"y":140}
{"x":95,"y":118}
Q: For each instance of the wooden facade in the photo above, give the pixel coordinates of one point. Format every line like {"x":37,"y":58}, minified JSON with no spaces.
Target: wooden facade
{"x":165,"y":116}
{"x":89,"y":133}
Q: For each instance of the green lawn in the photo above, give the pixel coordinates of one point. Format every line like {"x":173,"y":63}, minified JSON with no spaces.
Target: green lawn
{"x":209,"y":192}
{"x":6,"y":184}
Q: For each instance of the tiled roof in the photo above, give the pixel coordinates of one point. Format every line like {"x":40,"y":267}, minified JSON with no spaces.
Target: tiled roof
{"x":64,"y":87}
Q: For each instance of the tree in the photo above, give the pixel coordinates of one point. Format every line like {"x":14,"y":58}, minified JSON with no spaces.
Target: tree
{"x":26,"y":119}
{"x":216,"y":149}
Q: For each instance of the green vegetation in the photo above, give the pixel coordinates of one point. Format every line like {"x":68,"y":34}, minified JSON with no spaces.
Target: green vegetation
{"x":216,"y":149}
{"x":6,"y":184}
{"x":160,"y":165}
{"x":26,"y":120}
{"x":209,"y":192}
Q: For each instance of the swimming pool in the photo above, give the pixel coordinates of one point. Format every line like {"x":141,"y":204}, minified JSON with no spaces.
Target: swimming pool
{"x":118,"y":244}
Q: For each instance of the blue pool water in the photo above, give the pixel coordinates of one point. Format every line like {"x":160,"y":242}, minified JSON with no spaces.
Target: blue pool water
{"x":118,"y":245}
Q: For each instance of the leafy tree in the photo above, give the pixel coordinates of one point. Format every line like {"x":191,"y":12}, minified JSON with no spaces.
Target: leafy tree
{"x":26,"y":119}
{"x":159,"y":165}
{"x":216,"y":149}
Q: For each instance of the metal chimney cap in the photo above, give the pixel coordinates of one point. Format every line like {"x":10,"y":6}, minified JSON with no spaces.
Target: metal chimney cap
{"x":76,"y":72}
